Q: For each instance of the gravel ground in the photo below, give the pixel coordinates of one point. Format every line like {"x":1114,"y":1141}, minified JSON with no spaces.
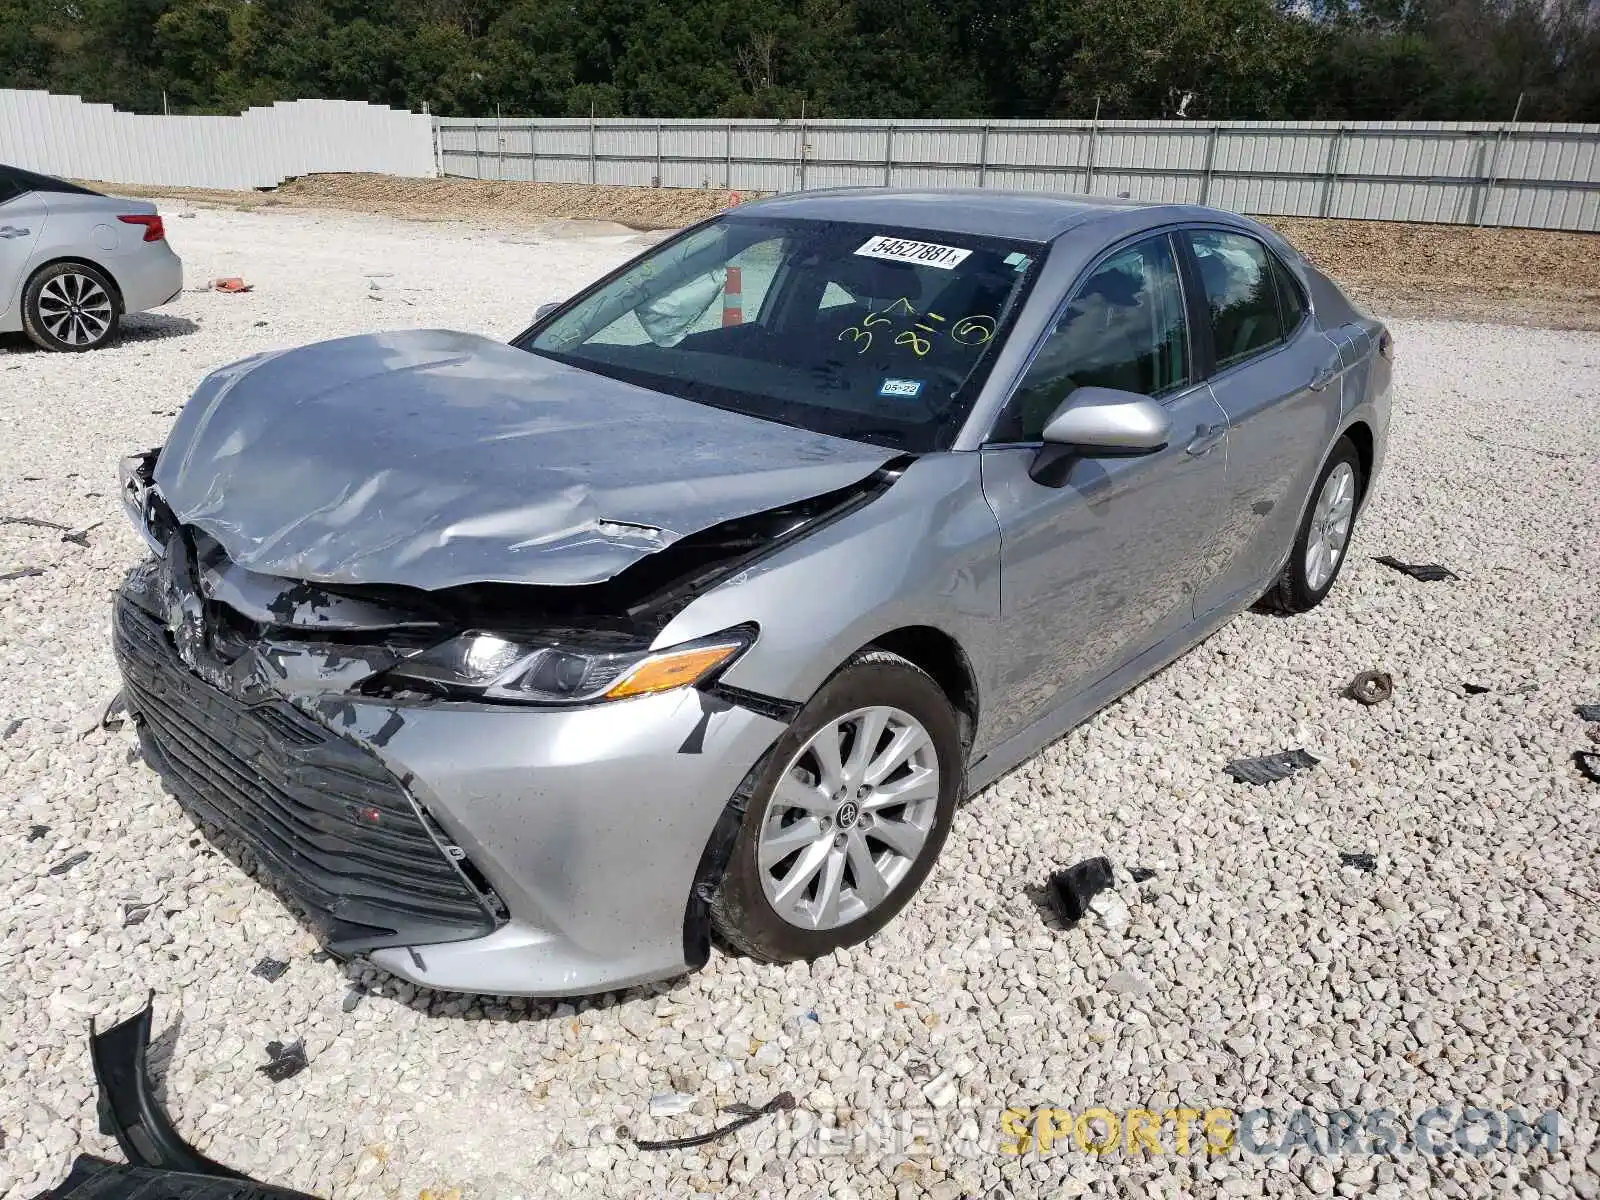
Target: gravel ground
{"x":1251,"y":969}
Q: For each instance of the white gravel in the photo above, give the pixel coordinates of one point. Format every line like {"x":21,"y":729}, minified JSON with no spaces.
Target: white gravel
{"x":1252,"y":970}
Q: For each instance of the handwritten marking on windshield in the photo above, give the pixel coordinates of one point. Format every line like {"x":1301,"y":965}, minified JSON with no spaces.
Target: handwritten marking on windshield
{"x":968,"y":331}
{"x":919,"y":345}
{"x":974,"y":330}
{"x":861,"y":337}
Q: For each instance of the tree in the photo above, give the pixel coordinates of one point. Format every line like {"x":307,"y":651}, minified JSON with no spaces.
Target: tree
{"x":1340,"y":59}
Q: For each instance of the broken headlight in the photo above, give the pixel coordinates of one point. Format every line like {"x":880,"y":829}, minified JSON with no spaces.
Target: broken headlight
{"x":134,"y":476}
{"x":491,"y":667}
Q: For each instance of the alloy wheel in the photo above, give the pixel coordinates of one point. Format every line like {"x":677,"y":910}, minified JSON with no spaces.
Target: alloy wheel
{"x":849,"y":817}
{"x":1330,"y":526}
{"x":74,"y":309}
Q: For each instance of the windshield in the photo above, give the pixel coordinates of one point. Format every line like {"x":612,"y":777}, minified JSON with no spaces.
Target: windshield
{"x":878,"y":334}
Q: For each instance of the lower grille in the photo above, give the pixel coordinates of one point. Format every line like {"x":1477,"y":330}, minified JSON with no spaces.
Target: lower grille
{"x":332,"y":826}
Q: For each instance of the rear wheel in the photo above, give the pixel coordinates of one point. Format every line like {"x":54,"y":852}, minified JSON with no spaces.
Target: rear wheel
{"x":1319,"y":549}
{"x":849,"y":817}
{"x":70,"y":306}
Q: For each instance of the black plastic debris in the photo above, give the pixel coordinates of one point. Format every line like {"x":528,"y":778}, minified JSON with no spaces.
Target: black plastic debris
{"x":1588,"y":764}
{"x":94,"y":1178}
{"x":162,"y":1166}
{"x":111,"y":716}
{"x":66,"y":864}
{"x":135,"y":914}
{"x":80,"y":537}
{"x":782,"y":1102}
{"x":270,"y":969}
{"x":38,"y":833}
{"x":105,"y":716}
{"x":284,"y":1062}
{"x":1141,"y":874}
{"x":1473,"y":689}
{"x":35,"y":523}
{"x":128,"y":1107}
{"x":1370,"y":687}
{"x":1426,"y":572}
{"x":11,"y":727}
{"x":1588,"y":712}
{"x":1078,"y":884}
{"x":352,"y":998}
{"x":1271,"y":767}
{"x":1362,"y":862}
{"x":20,"y":573}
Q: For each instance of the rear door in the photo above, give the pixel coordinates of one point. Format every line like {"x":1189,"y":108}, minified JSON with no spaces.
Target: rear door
{"x":1097,"y":554}
{"x":1278,"y":380}
{"x":22,"y":215}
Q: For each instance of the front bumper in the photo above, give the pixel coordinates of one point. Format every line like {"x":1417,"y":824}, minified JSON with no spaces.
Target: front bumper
{"x":589,"y":822}
{"x":565,"y":842}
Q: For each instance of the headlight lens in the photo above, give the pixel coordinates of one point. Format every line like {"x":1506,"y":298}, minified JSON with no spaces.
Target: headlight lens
{"x":487,"y":665}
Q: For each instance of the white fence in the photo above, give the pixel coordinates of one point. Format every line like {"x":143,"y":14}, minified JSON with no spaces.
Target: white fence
{"x":1536,"y":175}
{"x":1530,"y":174}
{"x":61,"y":135}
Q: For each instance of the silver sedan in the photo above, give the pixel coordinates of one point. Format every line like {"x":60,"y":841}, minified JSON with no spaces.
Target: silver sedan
{"x":698,"y":608}
{"x":73,"y":261}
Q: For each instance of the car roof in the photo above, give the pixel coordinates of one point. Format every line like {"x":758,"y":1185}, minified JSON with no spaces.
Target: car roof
{"x":980,"y":212}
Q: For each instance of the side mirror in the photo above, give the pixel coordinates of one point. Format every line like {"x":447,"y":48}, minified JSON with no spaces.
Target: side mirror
{"x":1105,"y":422}
{"x":544,"y":310}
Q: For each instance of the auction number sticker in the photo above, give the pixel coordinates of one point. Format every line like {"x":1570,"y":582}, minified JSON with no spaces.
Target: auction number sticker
{"x":926,"y":254}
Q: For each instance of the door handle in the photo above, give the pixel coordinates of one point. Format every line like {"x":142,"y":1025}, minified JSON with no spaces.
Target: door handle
{"x":11,"y":231}
{"x":1323,"y":377}
{"x":1206,"y":437}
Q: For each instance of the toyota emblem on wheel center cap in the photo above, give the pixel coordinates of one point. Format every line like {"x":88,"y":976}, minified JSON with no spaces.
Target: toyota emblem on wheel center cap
{"x":847,"y":815}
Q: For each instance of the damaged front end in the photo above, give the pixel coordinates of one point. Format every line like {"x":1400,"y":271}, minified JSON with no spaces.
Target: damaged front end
{"x":254,"y":696}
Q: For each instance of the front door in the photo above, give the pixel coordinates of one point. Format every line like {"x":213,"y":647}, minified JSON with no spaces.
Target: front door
{"x":1099,"y":557}
{"x":21,"y":218}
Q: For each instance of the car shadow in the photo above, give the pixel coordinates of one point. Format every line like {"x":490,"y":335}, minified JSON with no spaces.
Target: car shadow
{"x":136,"y":328}
{"x":159,"y":1054}
{"x":152,"y":327}
{"x":1043,"y":900}
{"x":367,"y":981}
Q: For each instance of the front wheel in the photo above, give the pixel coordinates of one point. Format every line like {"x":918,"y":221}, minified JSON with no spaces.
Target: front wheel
{"x":848,"y":818}
{"x":1324,"y":535}
{"x":70,"y":306}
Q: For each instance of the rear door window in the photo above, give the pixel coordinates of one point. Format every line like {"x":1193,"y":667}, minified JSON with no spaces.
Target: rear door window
{"x":1241,"y":297}
{"x":1124,"y":328}
{"x":1291,"y":300}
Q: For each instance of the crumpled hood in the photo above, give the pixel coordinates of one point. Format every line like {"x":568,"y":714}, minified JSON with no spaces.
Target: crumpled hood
{"x":429,"y":459}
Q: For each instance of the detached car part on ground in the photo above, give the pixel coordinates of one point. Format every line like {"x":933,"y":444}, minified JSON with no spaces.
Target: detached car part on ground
{"x":73,"y":262}
{"x":524,"y":668}
{"x":161,"y":1165}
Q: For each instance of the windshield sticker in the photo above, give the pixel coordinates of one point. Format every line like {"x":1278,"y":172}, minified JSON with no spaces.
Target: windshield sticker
{"x":925,"y":254}
{"x":909,"y":388}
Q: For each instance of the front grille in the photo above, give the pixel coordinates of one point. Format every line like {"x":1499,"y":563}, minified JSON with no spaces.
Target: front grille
{"x":332,"y":826}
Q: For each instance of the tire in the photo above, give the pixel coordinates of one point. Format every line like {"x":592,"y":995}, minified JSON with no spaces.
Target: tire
{"x":1306,"y":581}
{"x":745,"y":915}
{"x":71,"y":307}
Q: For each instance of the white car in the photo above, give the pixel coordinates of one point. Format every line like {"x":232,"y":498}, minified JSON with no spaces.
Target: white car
{"x":74,"y":261}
